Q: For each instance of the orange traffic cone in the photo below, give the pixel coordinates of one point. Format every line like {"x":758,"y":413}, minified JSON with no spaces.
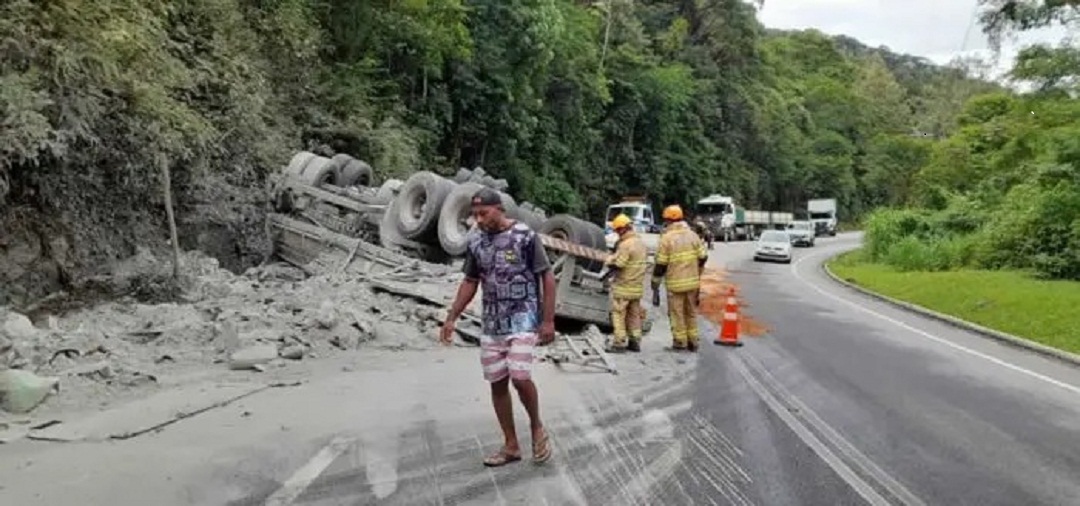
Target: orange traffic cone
{"x":729,"y":328}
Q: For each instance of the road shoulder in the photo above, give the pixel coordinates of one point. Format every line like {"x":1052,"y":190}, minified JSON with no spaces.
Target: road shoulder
{"x":997,"y":335}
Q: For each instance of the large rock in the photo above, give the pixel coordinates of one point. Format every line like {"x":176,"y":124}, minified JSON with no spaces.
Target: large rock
{"x":22,"y":391}
{"x":18,"y":327}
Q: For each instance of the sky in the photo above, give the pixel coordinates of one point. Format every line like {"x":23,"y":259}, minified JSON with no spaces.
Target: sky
{"x":936,"y":29}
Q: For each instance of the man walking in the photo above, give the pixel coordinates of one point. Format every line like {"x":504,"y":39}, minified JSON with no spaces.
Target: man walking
{"x":629,"y":266}
{"x":507,"y":260}
{"x":680,"y":259}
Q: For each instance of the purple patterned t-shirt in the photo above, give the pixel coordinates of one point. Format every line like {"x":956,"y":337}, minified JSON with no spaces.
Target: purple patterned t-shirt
{"x":509,"y":265}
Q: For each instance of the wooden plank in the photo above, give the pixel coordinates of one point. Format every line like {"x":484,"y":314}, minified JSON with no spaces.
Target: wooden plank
{"x":333,"y":198}
{"x":334,"y":239}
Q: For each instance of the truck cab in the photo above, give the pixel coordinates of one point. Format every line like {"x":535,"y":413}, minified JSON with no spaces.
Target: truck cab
{"x":638,"y":210}
{"x":822,"y":212}
{"x":718,"y":213}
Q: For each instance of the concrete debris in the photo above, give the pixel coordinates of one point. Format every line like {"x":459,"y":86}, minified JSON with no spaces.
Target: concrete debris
{"x":293,"y":352}
{"x":253,"y":356}
{"x":150,"y":327}
{"x":19,"y":327}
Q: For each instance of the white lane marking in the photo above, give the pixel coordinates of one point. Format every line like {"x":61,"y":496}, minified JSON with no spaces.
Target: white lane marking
{"x":303,"y":477}
{"x":843,"y":446}
{"x":842,"y":469}
{"x":927,"y":335}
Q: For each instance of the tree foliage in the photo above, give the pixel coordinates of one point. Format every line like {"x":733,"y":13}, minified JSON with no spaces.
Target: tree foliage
{"x":575,"y":103}
{"x":1003,"y":190}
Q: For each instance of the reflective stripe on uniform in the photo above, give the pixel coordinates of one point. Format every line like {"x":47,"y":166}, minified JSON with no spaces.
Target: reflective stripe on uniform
{"x":631,"y":258}
{"x":681,"y":251}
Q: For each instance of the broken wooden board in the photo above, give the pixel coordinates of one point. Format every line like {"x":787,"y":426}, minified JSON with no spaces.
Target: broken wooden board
{"x":150,"y":414}
{"x":434,"y":295}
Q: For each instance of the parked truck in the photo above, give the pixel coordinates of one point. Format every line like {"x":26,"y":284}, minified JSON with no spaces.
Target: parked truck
{"x":640,"y":211}
{"x":728,"y":221}
{"x":823,"y":214}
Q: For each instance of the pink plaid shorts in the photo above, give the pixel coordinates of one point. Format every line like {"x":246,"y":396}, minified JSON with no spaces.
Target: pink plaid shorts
{"x":511,"y":355}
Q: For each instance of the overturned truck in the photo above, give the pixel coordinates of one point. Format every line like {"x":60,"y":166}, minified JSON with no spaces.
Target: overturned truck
{"x":328,"y":211}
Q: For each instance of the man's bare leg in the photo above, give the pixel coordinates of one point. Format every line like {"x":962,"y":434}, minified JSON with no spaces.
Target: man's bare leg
{"x":541,"y":444}
{"x":504,"y":411}
{"x":530,"y":398}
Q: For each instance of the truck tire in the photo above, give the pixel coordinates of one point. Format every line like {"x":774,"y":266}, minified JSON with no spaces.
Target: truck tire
{"x":570,"y":228}
{"x":319,"y":171}
{"x":454,"y":219}
{"x":419,"y":203}
{"x":296,"y":165}
{"x":387,"y":192}
{"x":599,"y":241}
{"x":353,"y":172}
{"x":529,"y":218}
{"x":462,"y":175}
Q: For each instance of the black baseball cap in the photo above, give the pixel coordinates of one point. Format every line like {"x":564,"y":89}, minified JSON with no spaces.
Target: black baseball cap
{"x":487,"y":197}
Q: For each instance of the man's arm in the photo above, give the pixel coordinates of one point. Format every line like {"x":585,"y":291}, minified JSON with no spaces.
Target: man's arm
{"x":660,"y":263}
{"x":618,"y":260}
{"x":621,"y":256}
{"x":467,"y":290}
{"x":547,"y":282}
{"x":541,"y":266}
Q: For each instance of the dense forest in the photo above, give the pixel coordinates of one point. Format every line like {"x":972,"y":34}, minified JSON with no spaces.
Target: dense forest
{"x":575,"y":103}
{"x":1002,"y":191}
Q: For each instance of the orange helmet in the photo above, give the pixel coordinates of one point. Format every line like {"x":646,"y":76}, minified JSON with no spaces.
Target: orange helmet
{"x":673,"y":213}
{"x":620,"y":221}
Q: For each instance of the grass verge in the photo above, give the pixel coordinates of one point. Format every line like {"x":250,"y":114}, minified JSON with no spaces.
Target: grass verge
{"x":1009,"y":301}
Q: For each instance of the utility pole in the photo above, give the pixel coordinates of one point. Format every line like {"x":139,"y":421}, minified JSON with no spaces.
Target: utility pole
{"x":166,"y":183}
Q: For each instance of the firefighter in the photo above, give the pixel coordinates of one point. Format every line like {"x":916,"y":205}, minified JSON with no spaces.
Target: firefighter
{"x":702,"y":230}
{"x":680,"y":260}
{"x":628,"y":286}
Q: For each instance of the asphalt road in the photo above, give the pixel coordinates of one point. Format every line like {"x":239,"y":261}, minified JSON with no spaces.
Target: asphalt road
{"x":845,"y":401}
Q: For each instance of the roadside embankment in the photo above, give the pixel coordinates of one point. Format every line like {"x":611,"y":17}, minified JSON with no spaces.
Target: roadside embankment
{"x":1041,"y":311}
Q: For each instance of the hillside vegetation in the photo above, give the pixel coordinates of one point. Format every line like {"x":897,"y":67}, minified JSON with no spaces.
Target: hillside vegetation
{"x":575,"y":103}
{"x":1003,"y":190}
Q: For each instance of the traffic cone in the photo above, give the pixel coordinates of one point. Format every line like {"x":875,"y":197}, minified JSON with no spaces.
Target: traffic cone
{"x":729,"y":328}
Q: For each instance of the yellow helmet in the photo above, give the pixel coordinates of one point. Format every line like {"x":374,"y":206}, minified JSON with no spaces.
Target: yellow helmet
{"x":620,"y":221}
{"x":673,"y":213}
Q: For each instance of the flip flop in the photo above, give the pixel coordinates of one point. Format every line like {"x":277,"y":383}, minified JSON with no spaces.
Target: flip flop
{"x":500,"y":458}
{"x":542,"y":449}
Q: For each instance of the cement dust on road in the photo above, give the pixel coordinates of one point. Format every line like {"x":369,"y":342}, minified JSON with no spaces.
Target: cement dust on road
{"x":714,"y":292}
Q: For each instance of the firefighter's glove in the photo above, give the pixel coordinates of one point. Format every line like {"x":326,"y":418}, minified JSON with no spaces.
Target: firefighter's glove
{"x":656,"y":298}
{"x":609,"y":273}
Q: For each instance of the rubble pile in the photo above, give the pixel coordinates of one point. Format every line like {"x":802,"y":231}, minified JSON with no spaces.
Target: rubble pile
{"x":266,"y":317}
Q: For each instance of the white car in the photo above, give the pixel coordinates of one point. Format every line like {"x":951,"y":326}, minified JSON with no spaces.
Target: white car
{"x":773,"y":245}
{"x":802,"y":233}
